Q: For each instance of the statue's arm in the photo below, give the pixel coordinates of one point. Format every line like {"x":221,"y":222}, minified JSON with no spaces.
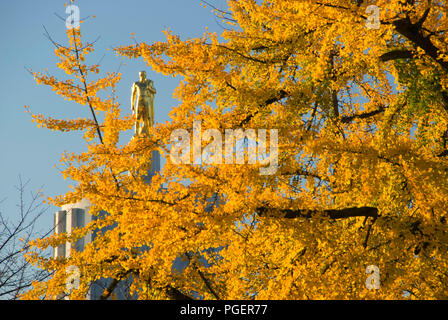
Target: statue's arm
{"x":152,"y":89}
{"x":152,"y":114}
{"x":133,"y":93}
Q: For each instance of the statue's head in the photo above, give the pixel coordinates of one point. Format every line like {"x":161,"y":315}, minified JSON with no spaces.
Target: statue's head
{"x":142,"y":75}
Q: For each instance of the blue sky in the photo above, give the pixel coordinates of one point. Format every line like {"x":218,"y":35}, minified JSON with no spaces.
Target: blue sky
{"x":33,"y":152}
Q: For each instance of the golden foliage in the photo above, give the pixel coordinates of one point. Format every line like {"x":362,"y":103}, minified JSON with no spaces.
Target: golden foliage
{"x":362,"y":116}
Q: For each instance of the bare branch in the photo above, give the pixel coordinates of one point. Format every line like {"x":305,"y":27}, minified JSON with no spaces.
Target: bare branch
{"x":16,"y":274}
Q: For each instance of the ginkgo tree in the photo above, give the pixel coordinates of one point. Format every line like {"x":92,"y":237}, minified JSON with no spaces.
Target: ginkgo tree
{"x":362,"y":179}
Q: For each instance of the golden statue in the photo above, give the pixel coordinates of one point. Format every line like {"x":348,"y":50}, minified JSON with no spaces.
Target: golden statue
{"x":143,"y":92}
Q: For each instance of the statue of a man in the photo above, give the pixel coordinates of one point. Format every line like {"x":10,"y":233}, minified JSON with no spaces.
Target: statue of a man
{"x":143,"y":92}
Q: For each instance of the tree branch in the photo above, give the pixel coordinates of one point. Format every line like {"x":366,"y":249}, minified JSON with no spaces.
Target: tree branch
{"x":396,"y":54}
{"x":175,"y":294}
{"x":282,"y":94}
{"x":348,"y":119}
{"x":204,"y":279}
{"x":413,"y":32}
{"x":331,"y":213}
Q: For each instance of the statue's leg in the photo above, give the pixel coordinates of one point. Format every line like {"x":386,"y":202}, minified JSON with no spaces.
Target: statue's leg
{"x":138,"y":127}
{"x":145,"y":115}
